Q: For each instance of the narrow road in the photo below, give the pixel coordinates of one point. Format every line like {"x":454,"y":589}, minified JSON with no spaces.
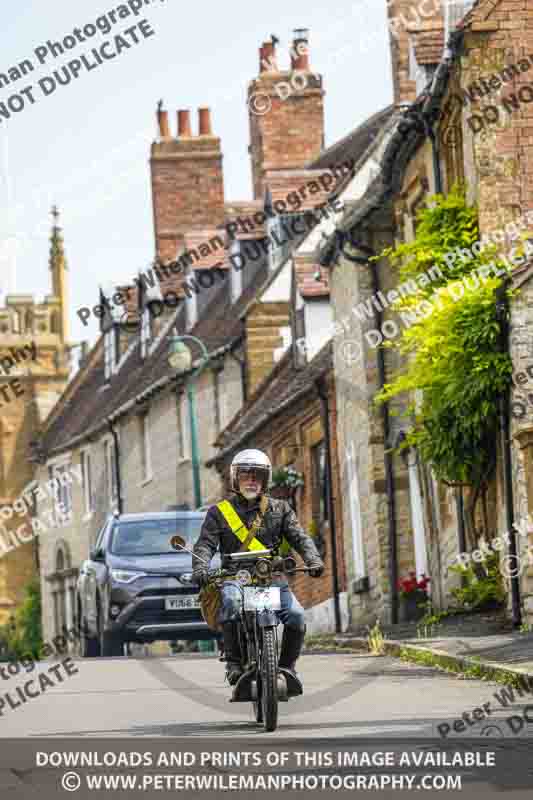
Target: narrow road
{"x":346,"y":695}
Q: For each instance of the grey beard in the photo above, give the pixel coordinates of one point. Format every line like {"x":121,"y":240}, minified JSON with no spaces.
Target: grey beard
{"x":248,"y":495}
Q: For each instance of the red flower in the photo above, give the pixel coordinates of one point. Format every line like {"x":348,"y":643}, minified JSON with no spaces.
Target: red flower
{"x":411,"y":584}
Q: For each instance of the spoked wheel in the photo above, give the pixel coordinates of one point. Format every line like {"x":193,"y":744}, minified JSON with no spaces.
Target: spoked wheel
{"x":269,"y":680}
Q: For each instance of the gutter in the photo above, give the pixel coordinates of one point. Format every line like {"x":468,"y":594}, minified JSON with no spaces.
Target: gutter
{"x":409,"y":134}
{"x":322,"y":394}
{"x":120,"y":501}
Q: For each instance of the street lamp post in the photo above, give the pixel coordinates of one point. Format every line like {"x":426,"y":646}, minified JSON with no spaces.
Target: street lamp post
{"x":180,"y":359}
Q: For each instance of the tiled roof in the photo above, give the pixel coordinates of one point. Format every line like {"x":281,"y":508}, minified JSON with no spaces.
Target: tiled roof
{"x":283,"y":386}
{"x":353,"y":146}
{"x":91,"y":402}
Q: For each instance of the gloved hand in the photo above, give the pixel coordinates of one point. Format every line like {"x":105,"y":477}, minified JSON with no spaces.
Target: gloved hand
{"x":200,"y":577}
{"x":316,"y":568}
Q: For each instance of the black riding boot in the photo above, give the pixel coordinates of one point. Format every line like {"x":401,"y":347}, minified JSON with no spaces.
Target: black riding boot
{"x":232,"y":652}
{"x":291,"y":647}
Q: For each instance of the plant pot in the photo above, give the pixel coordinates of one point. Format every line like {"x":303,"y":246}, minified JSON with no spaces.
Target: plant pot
{"x":413,"y":606}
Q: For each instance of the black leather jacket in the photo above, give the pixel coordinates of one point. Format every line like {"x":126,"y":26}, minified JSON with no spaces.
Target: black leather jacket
{"x":279,"y":520}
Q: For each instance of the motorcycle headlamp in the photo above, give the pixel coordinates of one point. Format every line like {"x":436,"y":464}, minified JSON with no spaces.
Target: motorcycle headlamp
{"x":262,"y":568}
{"x":289,"y":564}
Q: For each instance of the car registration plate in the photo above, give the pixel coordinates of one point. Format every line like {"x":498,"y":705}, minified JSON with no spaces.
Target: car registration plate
{"x":177,"y":603}
{"x":259,"y":598}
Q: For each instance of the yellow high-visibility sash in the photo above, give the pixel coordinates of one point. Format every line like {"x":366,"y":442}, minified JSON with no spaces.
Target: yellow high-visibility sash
{"x":237,"y":525}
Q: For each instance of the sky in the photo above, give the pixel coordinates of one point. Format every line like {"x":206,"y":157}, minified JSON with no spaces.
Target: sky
{"x":86,"y":146}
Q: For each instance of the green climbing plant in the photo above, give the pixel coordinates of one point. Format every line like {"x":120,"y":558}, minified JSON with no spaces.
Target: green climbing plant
{"x":454,"y":371}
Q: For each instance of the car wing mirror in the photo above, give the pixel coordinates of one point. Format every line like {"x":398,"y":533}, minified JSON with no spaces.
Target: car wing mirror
{"x":97,"y":554}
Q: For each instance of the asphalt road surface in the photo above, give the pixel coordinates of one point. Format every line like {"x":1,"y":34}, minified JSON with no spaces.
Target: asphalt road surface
{"x":345,"y":695}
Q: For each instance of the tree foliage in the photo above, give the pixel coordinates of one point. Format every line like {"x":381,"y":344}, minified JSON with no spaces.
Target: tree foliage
{"x":23,"y":634}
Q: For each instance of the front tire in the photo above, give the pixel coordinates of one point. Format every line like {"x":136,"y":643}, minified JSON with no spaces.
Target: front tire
{"x":258,"y":704}
{"x":111,"y":645}
{"x":89,"y":647}
{"x":269,"y":680}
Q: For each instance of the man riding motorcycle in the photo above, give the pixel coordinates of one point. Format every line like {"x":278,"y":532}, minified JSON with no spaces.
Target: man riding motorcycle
{"x":272,"y":520}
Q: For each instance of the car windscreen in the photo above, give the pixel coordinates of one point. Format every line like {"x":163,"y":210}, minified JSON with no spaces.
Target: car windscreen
{"x":151,"y":537}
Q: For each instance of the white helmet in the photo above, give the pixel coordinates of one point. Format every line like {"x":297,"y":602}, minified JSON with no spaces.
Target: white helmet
{"x":255,"y":459}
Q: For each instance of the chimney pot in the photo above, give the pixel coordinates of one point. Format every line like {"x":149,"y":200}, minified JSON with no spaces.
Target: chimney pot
{"x":162,"y":120}
{"x":184,"y":123}
{"x":300,"y":49}
{"x":204,"y":122}
{"x":269,"y":57}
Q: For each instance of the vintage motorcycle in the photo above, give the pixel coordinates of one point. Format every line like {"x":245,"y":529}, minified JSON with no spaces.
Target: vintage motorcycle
{"x":263,"y":682}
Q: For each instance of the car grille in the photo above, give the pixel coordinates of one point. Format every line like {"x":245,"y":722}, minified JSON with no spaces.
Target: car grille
{"x":158,"y":616}
{"x":173,"y":592}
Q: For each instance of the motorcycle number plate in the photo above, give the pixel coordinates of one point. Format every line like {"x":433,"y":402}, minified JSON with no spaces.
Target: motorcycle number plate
{"x":257,"y":598}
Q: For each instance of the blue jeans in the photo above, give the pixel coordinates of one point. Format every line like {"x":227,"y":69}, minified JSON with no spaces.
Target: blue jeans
{"x":291,"y":613}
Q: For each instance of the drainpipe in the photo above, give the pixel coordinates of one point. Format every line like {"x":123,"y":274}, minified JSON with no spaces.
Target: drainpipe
{"x":502,"y":310}
{"x":244,"y":379}
{"x":322,"y":394}
{"x":435,"y":152}
{"x":385,"y":418}
{"x":460,"y":508}
{"x":430,"y":133}
{"x":120,"y":501}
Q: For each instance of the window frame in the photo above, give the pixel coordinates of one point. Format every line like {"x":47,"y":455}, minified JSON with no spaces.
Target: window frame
{"x":319,"y":486}
{"x":145,"y":448}
{"x":110,"y":471}
{"x":111,"y":350}
{"x":62,"y":492}
{"x":87,"y":485}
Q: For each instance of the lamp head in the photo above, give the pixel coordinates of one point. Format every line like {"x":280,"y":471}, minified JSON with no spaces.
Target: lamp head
{"x":179,"y":355}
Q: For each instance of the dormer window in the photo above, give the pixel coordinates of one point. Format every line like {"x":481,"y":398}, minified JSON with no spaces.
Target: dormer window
{"x":191,"y":308}
{"x":454,"y":11}
{"x":235,"y":274}
{"x":146,"y":331}
{"x":280,"y":241}
{"x":110,"y":350}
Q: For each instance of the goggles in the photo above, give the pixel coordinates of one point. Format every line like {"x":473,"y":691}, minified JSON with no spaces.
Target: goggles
{"x":251,"y":474}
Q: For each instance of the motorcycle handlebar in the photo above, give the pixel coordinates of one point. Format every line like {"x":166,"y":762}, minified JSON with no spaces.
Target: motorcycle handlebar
{"x":219,"y":573}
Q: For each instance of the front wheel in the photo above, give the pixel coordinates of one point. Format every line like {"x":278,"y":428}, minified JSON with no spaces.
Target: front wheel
{"x":111,"y":645}
{"x":269,"y":680}
{"x":88,"y":646}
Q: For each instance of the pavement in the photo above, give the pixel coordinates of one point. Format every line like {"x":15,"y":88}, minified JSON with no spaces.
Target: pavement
{"x":486,"y":642}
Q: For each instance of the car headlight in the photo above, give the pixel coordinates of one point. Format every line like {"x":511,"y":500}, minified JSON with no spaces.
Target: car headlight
{"x":126,"y":576}
{"x":185,"y":578}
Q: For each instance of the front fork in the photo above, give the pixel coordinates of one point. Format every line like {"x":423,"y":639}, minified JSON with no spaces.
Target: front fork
{"x":251,"y":647}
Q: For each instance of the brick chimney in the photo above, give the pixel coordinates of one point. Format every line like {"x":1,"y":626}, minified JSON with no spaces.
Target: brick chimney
{"x":187,"y":181}
{"x":286,"y":112}
{"x":416,"y":34}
